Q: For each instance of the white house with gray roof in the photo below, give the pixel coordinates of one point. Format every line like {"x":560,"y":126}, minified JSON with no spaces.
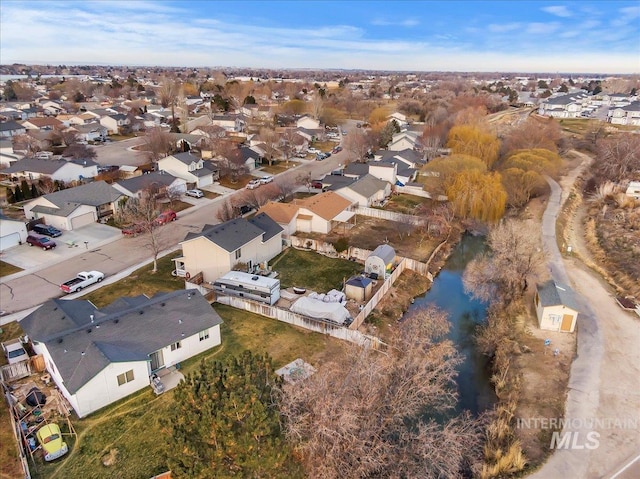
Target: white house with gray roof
{"x":99,"y":356}
{"x":366,"y":191}
{"x":58,"y":170}
{"x":75,"y":207}
{"x":156,"y":181}
{"x":188,"y":167}
{"x":556,"y":307}
{"x":218,"y":248}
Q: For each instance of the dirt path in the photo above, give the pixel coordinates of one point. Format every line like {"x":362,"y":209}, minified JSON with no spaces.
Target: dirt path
{"x":609,"y":340}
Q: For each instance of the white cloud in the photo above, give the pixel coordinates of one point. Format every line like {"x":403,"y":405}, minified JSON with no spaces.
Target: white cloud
{"x":504,"y":27}
{"x":558,"y":10}
{"x":538,"y":28}
{"x":409,"y":22}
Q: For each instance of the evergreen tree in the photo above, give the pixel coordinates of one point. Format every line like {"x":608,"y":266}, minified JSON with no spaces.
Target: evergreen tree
{"x":26,"y":190}
{"x":17,"y":194}
{"x":224,"y":423}
{"x":10,"y":196}
{"x":34,"y":191}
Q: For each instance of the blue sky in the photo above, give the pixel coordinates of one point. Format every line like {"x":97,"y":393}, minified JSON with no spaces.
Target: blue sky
{"x":526,"y":36}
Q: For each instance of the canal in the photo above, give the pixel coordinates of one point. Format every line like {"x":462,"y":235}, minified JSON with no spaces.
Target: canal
{"x":465,"y":314}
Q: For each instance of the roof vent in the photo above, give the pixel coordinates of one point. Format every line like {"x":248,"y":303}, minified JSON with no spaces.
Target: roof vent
{"x":59,"y":340}
{"x":89,"y":330}
{"x":162,"y":304}
{"x":65,"y":350}
{"x":82,"y":353}
{"x":91,"y":316}
{"x":116,"y":321}
{"x":179,"y":321}
{"x":141,"y":312}
{"x":254,"y":278}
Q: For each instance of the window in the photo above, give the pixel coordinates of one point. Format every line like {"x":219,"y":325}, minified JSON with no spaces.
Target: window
{"x":176,"y":345}
{"x":204,"y":335}
{"x":125,"y":378}
{"x":238,"y":253}
{"x":555,"y":319}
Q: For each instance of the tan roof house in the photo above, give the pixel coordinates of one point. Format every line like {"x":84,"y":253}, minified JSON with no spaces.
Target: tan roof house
{"x":316,"y":214}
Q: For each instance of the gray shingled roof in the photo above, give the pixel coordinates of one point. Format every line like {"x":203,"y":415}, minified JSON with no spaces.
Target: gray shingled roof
{"x":81,"y":349}
{"x":187,"y":158}
{"x":138,"y":183}
{"x":266,"y":224}
{"x":10,"y":126}
{"x":63,"y":211}
{"x":45,"y":167}
{"x":555,"y":294}
{"x":92,"y":194}
{"x":229,"y":235}
{"x":335,"y":182}
{"x":357,"y":169}
{"x":368,"y":185}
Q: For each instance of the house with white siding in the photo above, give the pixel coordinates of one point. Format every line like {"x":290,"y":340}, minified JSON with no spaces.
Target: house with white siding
{"x":97,"y":356}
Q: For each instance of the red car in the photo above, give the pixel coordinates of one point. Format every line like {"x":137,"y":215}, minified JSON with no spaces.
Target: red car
{"x":40,"y":241}
{"x":165,"y":217}
{"x":133,"y":230}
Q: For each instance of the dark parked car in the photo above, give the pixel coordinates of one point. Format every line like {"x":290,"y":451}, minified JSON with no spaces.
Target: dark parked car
{"x":40,"y":241}
{"x":47,"y":230}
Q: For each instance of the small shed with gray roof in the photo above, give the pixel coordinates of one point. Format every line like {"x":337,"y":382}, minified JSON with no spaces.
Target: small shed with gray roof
{"x":556,"y":307}
{"x":380,"y":261}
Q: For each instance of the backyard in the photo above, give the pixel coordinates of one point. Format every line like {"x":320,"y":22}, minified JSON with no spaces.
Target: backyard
{"x":128,"y":432}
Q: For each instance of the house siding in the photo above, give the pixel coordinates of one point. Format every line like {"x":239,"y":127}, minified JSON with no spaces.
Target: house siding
{"x":546,"y":316}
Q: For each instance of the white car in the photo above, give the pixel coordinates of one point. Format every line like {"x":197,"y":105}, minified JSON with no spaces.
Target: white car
{"x":253,"y":184}
{"x":313,"y":150}
{"x":266,"y":179}
{"x":194,"y":193}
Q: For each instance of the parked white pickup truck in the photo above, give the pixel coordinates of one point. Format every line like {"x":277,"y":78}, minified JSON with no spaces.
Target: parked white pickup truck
{"x":84,"y":279}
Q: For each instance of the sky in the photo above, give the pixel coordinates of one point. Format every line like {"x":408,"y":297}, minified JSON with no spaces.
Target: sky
{"x":510,"y":36}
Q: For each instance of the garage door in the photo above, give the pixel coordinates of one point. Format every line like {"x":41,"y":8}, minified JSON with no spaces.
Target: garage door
{"x":9,"y":241}
{"x":82,"y":220}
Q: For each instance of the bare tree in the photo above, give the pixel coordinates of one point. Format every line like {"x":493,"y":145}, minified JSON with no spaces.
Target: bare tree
{"x":363,"y":415}
{"x":287,"y":186}
{"x":357,"y":145}
{"x":26,"y":143}
{"x":230,"y":160}
{"x":271,"y":142}
{"x":618,"y":157}
{"x":79,"y":151}
{"x":226,"y":211}
{"x":516,"y":258}
{"x":158,"y":144}
{"x":143,"y":212}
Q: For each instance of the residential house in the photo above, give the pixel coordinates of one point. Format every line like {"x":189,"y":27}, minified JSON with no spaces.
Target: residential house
{"x":113,"y":123}
{"x":11,"y":128}
{"x":626,"y":115}
{"x":58,"y":170}
{"x":556,"y":307}
{"x":97,"y":356}
{"x":158,"y":182}
{"x":320,"y":213}
{"x":252,"y":157}
{"x":42,"y":123}
{"x":399,"y":118}
{"x":366,"y":191}
{"x":570,"y":105}
{"x":217,"y":249}
{"x":90,"y":132}
{"x":12,"y":232}
{"x":84,"y":118}
{"x":405,"y":140}
{"x":75,"y":207}
{"x":190,"y":168}
{"x":633,"y":189}
{"x":308,"y":123}
{"x":230,"y":122}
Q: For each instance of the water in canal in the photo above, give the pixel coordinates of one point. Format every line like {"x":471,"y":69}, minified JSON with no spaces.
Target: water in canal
{"x":465,"y":313}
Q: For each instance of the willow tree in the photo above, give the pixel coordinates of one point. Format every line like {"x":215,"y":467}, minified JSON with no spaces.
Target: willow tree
{"x":540,"y":160}
{"x":477,"y":195}
{"x":474,"y":141}
{"x":223,"y":422}
{"x":522,"y":185}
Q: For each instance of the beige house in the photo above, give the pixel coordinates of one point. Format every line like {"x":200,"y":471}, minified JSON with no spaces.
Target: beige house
{"x":316,"y":214}
{"x":366,"y":191}
{"x":218,"y":248}
{"x":556,"y":307}
{"x":188,"y":167}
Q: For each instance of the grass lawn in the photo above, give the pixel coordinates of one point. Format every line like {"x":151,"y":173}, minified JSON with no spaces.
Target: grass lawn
{"x":6,"y":269}
{"x":132,"y":425}
{"x":406,"y":203}
{"x":308,"y":269}
{"x":141,"y":281}
{"x":240,"y":183}
{"x":277,"y":167}
{"x":210,"y":194}
{"x":116,"y":137}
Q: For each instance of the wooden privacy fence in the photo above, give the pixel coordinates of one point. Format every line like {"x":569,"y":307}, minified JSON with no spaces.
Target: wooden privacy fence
{"x":390,"y":215}
{"x":318,"y":325}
